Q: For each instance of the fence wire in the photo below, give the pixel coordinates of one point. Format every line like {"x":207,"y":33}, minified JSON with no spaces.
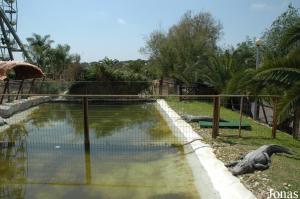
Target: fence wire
{"x":131,"y":146}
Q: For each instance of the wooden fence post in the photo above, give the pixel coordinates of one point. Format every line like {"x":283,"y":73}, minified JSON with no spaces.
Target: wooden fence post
{"x":216,"y":117}
{"x":275,"y":117}
{"x":86,"y":123}
{"x":87,"y":148}
{"x":241,"y":115}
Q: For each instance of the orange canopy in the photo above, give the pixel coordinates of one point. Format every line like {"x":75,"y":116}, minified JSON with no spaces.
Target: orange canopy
{"x":22,"y":70}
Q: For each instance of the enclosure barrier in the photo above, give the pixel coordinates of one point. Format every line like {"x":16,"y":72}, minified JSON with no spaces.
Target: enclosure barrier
{"x":119,"y":129}
{"x":242,"y":104}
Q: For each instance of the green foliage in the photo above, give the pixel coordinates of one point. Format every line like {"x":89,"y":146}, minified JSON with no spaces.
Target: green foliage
{"x":245,"y":54}
{"x":273,"y":36}
{"x":191,"y":40}
{"x":218,"y":71}
{"x":291,"y":36}
{"x":47,"y":87}
{"x":284,"y":71}
{"x":56,"y":62}
{"x":114,"y":77}
{"x":39,"y":48}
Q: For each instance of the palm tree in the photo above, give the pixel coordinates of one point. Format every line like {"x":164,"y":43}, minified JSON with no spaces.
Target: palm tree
{"x":221,"y":71}
{"x":39,"y":49}
{"x":285,"y":72}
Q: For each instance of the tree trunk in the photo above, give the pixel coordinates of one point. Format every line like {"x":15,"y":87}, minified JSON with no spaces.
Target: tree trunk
{"x":296,"y":132}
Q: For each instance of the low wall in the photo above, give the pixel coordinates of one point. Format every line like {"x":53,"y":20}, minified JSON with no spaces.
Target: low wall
{"x":17,"y":118}
{"x":212,"y":178}
{"x":9,"y":109}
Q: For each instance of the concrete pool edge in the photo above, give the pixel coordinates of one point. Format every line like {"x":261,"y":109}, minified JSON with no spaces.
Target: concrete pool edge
{"x":7,"y":110}
{"x":212,"y":178}
{"x":17,"y":118}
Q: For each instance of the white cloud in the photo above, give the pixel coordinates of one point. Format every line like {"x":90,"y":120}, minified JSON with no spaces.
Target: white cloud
{"x":121,"y":21}
{"x":260,"y":6}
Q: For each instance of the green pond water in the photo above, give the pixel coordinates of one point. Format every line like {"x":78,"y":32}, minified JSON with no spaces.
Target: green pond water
{"x":132,"y":155}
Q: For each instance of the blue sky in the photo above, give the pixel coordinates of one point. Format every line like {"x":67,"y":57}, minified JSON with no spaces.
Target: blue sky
{"x":118,"y":28}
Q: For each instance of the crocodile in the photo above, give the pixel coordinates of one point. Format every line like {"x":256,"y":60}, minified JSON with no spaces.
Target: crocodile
{"x":259,"y":159}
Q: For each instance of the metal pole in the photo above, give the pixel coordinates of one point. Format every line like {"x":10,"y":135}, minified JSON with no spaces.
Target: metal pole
{"x":6,"y":40}
{"x":257,"y":57}
{"x":216,"y":117}
{"x":256,"y":106}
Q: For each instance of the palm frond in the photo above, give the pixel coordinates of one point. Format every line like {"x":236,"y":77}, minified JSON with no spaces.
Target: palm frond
{"x":290,"y":100}
{"x":283,"y":70}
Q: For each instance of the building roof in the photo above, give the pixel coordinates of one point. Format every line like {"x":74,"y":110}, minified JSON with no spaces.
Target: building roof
{"x":22,"y":70}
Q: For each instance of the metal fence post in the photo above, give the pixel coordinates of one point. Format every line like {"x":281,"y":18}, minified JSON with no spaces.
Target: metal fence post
{"x":275,"y":117}
{"x":216,"y":117}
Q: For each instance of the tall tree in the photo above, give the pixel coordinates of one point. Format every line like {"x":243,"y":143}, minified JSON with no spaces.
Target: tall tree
{"x":273,"y":36}
{"x":39,"y":48}
{"x":60,"y":60}
{"x":193,"y":38}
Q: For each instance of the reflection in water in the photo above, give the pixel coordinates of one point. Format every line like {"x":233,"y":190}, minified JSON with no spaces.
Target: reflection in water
{"x":131,"y":155}
{"x":13,"y":159}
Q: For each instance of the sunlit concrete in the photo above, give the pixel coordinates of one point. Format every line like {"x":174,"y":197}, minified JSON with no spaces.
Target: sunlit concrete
{"x":212,"y":178}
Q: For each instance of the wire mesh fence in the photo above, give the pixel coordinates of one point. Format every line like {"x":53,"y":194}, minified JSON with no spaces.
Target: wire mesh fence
{"x":130,"y":147}
{"x":130,"y":144}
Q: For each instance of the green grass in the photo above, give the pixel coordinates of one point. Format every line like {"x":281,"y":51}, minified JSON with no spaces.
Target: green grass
{"x":284,"y":169}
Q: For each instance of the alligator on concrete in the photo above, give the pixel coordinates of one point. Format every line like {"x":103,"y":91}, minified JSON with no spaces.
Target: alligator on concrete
{"x":259,"y":159}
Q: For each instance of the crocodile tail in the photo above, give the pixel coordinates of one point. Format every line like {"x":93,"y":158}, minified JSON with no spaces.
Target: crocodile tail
{"x":278,"y":149}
